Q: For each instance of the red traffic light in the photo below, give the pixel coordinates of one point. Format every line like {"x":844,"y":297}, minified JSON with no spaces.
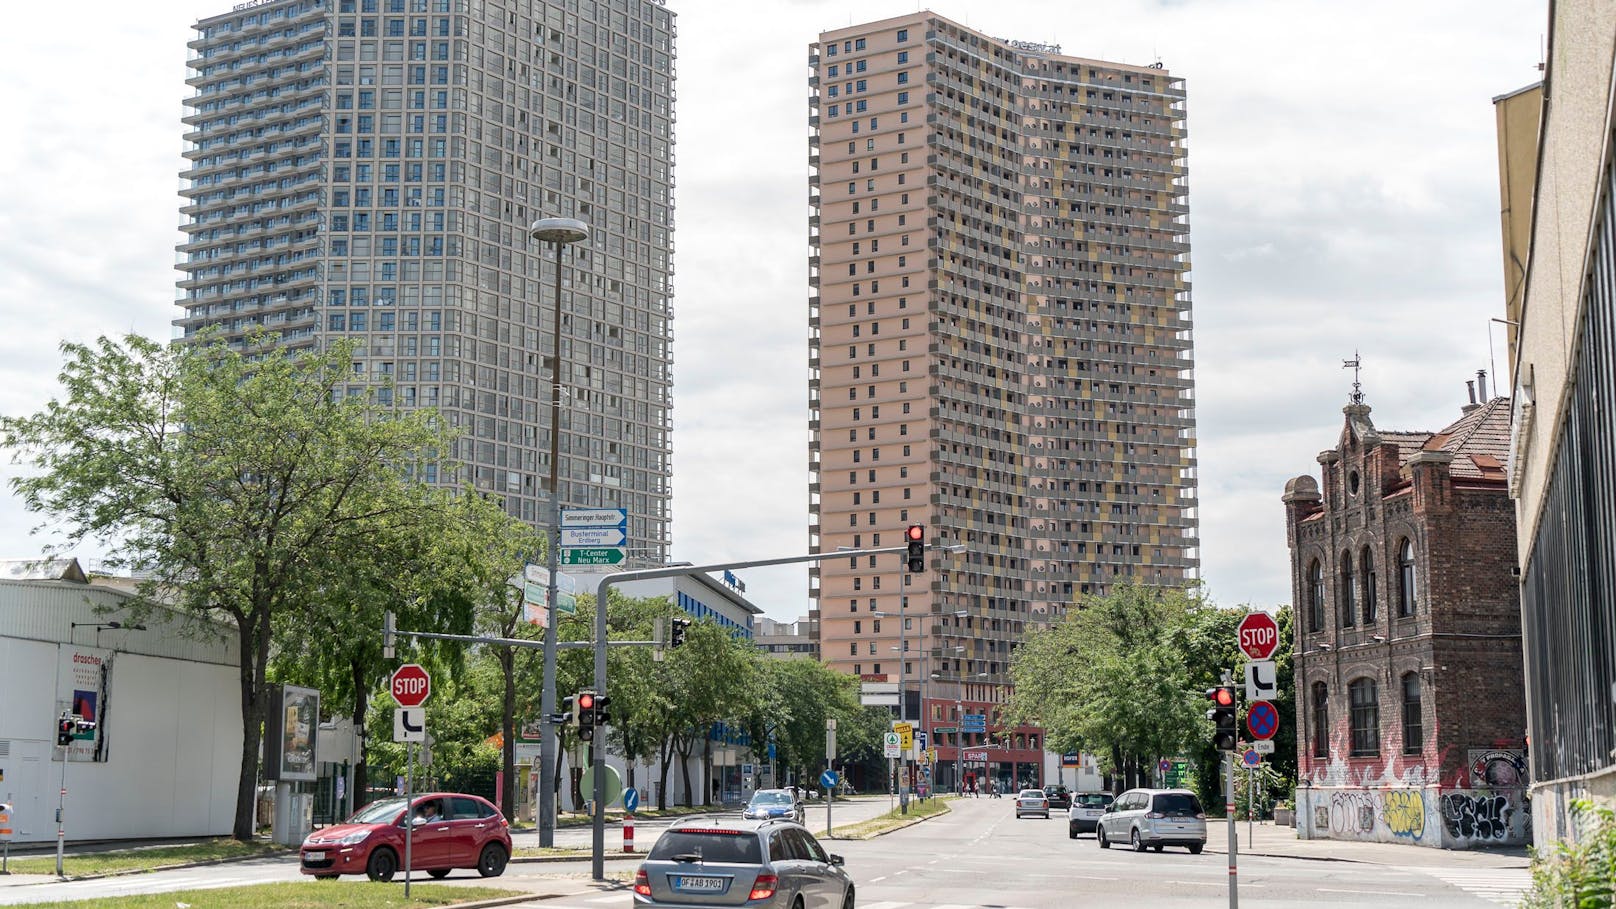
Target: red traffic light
{"x":586,"y":701}
{"x":916,"y":533}
{"x":1222,"y":696}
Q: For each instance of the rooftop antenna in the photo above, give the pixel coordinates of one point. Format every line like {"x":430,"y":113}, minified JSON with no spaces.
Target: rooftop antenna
{"x":1355,"y":364}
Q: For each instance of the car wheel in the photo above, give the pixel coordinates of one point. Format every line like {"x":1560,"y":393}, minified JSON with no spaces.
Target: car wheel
{"x":492,"y":862}
{"x":847,"y":901}
{"x":439,"y":874}
{"x":1157,"y":848}
{"x":1195,"y":848}
{"x":1099,"y":834}
{"x":1071,"y":832}
{"x":1138,"y":844}
{"x":382,"y":865}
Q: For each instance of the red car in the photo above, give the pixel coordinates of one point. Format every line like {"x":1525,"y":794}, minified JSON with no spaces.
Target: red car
{"x":449,"y":830}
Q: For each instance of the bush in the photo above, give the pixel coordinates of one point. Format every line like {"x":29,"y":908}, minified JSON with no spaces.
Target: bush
{"x":1580,"y":875}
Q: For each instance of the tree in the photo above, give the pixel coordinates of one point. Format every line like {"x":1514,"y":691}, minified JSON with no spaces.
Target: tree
{"x":236,"y":483}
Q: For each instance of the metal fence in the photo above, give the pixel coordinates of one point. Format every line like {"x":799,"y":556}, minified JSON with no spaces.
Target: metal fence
{"x":1569,"y":590}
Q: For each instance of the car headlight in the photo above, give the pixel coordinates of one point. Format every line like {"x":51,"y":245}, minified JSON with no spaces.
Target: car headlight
{"x":353,"y":839}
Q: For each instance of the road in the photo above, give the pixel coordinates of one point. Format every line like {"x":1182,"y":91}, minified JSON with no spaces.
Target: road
{"x":977,"y":856}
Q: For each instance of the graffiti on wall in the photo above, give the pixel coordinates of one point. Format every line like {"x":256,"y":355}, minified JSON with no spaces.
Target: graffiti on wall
{"x":1497,"y":769}
{"x":1404,"y":811}
{"x":1477,"y":816}
{"x":1352,"y":813}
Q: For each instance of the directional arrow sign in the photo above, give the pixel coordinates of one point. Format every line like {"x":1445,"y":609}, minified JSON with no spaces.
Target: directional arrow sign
{"x":1262,"y":680}
{"x":591,"y":556}
{"x":409,"y":724}
{"x":586,"y":537}
{"x":594,"y":517}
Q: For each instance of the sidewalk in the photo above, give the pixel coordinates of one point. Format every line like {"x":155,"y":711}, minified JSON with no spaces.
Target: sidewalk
{"x":1267,"y":840}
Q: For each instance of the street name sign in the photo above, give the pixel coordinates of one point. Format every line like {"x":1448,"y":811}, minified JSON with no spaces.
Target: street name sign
{"x":591,"y":556}
{"x":594,"y":517}
{"x":1258,"y":636}
{"x":944,"y":730}
{"x":410,"y":685}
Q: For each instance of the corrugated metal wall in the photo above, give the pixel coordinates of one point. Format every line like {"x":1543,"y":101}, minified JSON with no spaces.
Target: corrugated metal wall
{"x":45,"y":611}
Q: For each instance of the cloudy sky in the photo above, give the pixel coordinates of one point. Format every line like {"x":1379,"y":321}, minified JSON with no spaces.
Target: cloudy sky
{"x":1343,"y":190}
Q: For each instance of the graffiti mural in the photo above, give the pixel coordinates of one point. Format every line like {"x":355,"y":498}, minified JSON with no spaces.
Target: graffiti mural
{"x":1352,"y":813}
{"x":1497,"y":769}
{"x":1476,"y":816}
{"x":1404,"y":811}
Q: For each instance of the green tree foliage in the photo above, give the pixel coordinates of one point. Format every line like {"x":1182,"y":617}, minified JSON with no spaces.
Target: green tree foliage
{"x":797,"y":697}
{"x":241,"y":486}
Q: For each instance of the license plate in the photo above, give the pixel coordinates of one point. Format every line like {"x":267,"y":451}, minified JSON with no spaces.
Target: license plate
{"x":314,"y":856}
{"x":701,"y":884}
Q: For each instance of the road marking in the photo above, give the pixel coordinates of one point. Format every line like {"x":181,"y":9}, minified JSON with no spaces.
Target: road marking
{"x":876,"y":880}
{"x":1370,"y":892}
{"x":886,"y":905}
{"x":1498,"y":885}
{"x":1202,"y":883}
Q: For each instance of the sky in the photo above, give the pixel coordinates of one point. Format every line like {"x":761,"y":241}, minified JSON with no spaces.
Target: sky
{"x":1343,"y":197}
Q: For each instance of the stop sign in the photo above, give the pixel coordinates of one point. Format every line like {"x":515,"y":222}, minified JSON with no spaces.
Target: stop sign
{"x":410,"y":685}
{"x":1258,"y":636}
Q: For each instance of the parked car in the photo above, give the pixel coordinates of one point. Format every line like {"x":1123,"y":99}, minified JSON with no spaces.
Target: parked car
{"x":448,"y":830}
{"x":1059,"y":797}
{"x":1085,"y":813}
{"x":1154,"y":818}
{"x":1032,"y":802}
{"x":772,"y":803}
{"x":701,"y":862}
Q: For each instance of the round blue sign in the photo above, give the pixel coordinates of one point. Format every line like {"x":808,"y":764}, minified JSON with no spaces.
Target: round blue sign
{"x":1251,"y":758}
{"x":631,"y":800}
{"x":1262,"y":718}
{"x":828,"y":779}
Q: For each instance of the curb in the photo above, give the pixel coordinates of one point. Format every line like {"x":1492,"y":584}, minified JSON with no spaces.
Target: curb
{"x":1287,"y":855}
{"x":908,"y":823}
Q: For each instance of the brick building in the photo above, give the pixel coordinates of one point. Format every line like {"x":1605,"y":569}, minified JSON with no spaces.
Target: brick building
{"x":1410,"y":704}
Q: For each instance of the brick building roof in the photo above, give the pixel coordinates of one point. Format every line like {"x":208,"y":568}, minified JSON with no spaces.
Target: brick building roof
{"x":1479,"y":441}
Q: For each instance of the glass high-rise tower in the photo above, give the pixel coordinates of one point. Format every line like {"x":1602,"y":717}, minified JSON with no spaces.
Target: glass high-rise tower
{"x":368,"y":169}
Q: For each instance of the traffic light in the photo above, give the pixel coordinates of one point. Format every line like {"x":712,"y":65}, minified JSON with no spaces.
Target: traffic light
{"x":586,"y":715}
{"x":677,"y":635}
{"x":602,"y":718}
{"x":389,"y":623}
{"x":1227,"y":735}
{"x":916,"y":537}
{"x":569,"y":711}
{"x":66,"y":726}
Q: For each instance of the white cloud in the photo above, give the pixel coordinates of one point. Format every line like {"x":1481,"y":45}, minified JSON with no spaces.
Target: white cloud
{"x":1343,"y":191}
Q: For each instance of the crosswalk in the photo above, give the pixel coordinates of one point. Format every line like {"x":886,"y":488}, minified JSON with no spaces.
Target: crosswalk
{"x":1504,"y":886}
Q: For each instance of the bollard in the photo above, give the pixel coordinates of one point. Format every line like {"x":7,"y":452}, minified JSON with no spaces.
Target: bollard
{"x":628,"y":833}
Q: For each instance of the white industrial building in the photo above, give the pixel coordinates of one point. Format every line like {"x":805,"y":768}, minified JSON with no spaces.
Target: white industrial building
{"x":165,"y":755}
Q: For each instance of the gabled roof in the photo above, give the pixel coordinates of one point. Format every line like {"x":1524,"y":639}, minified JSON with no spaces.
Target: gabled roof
{"x":1479,"y":441}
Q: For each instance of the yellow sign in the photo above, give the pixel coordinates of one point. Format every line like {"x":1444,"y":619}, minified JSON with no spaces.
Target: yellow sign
{"x":906,"y":736}
{"x":931,"y":755}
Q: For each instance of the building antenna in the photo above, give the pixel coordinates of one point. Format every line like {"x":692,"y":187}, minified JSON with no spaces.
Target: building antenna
{"x":1355,"y":364}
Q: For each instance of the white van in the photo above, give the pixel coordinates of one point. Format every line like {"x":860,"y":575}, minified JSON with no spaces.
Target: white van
{"x":1154,"y":818}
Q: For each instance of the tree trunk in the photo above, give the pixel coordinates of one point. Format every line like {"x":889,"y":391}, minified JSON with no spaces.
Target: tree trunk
{"x":361,"y":784}
{"x":665,"y":752}
{"x":707,"y":769}
{"x":254,"y":644}
{"x":1121,"y":771}
{"x":507,"y":665}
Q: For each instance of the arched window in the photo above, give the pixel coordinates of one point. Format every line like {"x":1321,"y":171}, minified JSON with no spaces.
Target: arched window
{"x":1349,"y":605}
{"x":1413,"y":722}
{"x":1405,"y":578}
{"x":1321,"y":720}
{"x":1315,"y":596}
{"x":1371,"y":596}
{"x":1364,"y":700}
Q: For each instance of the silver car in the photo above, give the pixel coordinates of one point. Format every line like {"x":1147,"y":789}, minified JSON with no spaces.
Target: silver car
{"x":1154,"y":818}
{"x":707,"y":863}
{"x":1030,"y":802}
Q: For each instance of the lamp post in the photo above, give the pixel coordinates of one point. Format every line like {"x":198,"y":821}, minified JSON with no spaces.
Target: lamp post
{"x":558,"y":232}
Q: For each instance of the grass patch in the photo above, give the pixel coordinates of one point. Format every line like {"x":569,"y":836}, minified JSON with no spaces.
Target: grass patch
{"x":298,"y":895}
{"x":892,"y":820}
{"x":575,"y":819}
{"x":144,"y":858}
{"x":552,"y":852}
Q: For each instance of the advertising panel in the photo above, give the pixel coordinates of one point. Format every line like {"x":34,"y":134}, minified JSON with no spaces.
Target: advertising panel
{"x":81,"y":690}
{"x":289,"y":733}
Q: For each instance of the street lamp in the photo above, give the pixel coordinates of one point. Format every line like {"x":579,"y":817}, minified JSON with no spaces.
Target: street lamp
{"x":558,"y":232}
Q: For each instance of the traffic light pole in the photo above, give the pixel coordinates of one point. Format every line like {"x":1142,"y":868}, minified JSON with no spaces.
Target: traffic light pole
{"x":1228,"y":813}
{"x":598,"y":797}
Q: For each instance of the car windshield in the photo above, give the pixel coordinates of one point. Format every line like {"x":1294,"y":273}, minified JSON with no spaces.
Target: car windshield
{"x":381,"y":812}
{"x":1032,"y":793}
{"x":1178,"y":804}
{"x":771,"y":798}
{"x":736,"y":847}
{"x":1092,"y":800}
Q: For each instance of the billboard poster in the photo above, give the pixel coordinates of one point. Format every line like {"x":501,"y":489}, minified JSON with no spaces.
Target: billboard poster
{"x":296,"y":722}
{"x":81,"y":690}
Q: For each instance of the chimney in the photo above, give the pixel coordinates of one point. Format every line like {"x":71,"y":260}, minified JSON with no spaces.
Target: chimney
{"x":1481,"y":383}
{"x":1470,"y":385}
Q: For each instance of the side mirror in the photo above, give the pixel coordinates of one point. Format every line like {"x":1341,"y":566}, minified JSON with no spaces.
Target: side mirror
{"x":837,"y":860}
{"x":1110,"y":808}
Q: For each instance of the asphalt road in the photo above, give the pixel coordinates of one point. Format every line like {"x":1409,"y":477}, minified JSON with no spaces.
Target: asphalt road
{"x":980,"y":855}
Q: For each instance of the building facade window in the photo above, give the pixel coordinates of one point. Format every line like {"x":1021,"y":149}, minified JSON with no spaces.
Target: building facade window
{"x":1321,"y":720}
{"x":1413,"y":721}
{"x":1371,"y":596}
{"x":1315,"y":596}
{"x":1349,"y":581}
{"x":1405,"y":579}
{"x":1364,"y":700}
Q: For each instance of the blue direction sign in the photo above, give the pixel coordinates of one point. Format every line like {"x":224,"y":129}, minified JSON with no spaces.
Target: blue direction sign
{"x":586,"y":537}
{"x":594,"y":517}
{"x":1262,"y":718}
{"x":631,"y":800}
{"x":828,"y":779}
{"x":974,"y":722}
